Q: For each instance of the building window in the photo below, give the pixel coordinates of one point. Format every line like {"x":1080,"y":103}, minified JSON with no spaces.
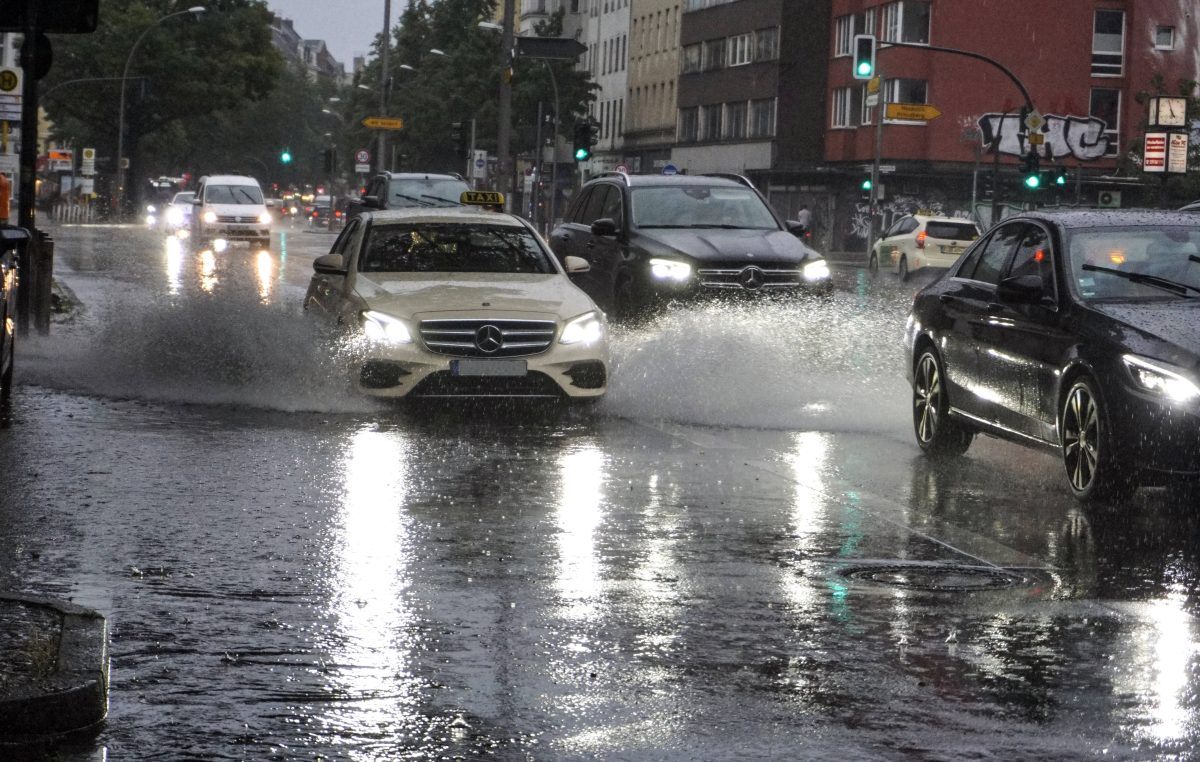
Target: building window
{"x":906,"y":21}
{"x":1164,"y":38}
{"x":740,"y":49}
{"x":735,"y":120}
{"x":847,"y":106}
{"x":766,"y":44}
{"x":714,"y":54}
{"x":906,"y":91}
{"x":689,"y":125}
{"x":843,"y":36}
{"x":762,"y":118}
{"x":866,"y":113}
{"x":1106,"y":105}
{"x":691,"y":58}
{"x":710,"y":122}
{"x":1108,"y":43}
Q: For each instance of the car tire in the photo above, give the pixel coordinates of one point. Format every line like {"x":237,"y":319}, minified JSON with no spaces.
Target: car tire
{"x":937,"y":434}
{"x":873,"y":264}
{"x":1088,"y":447}
{"x":902,"y":268}
{"x":625,"y":301}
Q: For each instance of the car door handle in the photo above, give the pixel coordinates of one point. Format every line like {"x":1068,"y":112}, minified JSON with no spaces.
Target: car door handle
{"x":994,"y":308}
{"x":948,"y":299}
{"x":564,"y":237}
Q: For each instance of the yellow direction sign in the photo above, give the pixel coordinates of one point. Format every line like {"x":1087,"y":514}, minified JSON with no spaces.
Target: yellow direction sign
{"x":912,"y":112}
{"x":873,"y":85}
{"x":383,"y":123}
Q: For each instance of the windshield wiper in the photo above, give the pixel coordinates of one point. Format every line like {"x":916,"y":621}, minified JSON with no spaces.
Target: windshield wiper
{"x":1164,"y":284}
{"x":439,"y":198}
{"x":412,"y":198}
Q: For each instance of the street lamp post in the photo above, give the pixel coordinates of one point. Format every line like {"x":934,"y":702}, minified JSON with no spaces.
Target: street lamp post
{"x":384,"y":80}
{"x":195,"y":10}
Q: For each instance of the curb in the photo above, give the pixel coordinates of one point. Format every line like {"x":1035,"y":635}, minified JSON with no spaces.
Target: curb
{"x":70,"y":696}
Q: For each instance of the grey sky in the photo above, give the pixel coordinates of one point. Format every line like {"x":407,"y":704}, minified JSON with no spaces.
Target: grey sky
{"x":347,"y":26}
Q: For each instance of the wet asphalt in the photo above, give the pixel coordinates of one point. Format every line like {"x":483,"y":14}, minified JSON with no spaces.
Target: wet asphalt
{"x":739,"y":555}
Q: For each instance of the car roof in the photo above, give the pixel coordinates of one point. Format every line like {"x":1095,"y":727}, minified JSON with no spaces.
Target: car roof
{"x":649,"y":181}
{"x":422,"y":176}
{"x":459,"y":214}
{"x":230,"y":180}
{"x":1111,"y":218}
{"x":930,"y":218}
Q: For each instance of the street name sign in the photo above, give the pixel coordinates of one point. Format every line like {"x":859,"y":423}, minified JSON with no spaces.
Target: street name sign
{"x":911,"y":112}
{"x":554,"y":48}
{"x":383,"y":123}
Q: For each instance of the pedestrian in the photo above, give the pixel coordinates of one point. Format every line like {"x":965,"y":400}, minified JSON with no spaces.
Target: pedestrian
{"x":804,"y":217}
{"x":5,"y":197}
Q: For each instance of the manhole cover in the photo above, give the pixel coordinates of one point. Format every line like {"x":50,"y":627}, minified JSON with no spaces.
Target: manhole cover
{"x":933,"y":576}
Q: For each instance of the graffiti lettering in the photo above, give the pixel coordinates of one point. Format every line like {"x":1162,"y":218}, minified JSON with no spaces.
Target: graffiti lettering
{"x":1079,"y":136}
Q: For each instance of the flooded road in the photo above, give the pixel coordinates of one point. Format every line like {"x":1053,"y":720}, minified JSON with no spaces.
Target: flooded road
{"x":739,"y":554}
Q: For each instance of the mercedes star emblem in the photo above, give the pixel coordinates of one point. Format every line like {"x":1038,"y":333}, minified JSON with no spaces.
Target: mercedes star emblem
{"x":489,"y":339}
{"x":751,"y":278}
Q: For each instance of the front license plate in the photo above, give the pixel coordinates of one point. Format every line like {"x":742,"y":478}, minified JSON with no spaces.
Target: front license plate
{"x":488,"y":368}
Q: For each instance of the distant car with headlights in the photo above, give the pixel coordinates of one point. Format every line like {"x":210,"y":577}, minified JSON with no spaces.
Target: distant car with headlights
{"x":654,"y":239}
{"x":917,"y":241}
{"x":177,"y":215}
{"x":1077,"y":331}
{"x":230,"y":208}
{"x":457,"y":302}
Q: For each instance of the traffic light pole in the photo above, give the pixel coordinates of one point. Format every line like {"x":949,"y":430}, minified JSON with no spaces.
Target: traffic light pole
{"x":876,"y":216}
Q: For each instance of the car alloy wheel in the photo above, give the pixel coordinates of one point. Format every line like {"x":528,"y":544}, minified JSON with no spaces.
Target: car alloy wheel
{"x":1087,"y":451}
{"x":936,"y":433}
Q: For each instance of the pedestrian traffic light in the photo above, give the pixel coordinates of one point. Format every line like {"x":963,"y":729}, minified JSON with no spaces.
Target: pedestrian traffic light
{"x":458,"y":133}
{"x":285,"y":156}
{"x":864,"y":56}
{"x":585,"y":138}
{"x":1029,"y":171}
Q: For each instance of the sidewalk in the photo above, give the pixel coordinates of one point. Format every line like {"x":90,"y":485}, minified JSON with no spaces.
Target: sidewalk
{"x":54,"y":670}
{"x":847,"y":258}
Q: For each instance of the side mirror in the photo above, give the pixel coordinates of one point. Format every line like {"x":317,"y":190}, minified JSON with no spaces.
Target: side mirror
{"x":196,"y":202}
{"x":12,"y":237}
{"x":576,"y":264}
{"x":796,"y":229}
{"x":330,"y":264}
{"x":371,"y":202}
{"x":1024,"y":289}
{"x":604,"y":227}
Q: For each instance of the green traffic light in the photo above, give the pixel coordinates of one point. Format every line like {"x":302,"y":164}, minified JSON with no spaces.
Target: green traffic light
{"x":286,"y":157}
{"x":1060,"y":180}
{"x":864,"y":68}
{"x":866,"y":184}
{"x":1033,"y":181}
{"x":581,"y":154}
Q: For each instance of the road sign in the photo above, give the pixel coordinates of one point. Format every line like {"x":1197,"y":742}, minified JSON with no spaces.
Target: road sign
{"x":383,"y":123}
{"x":362,"y":156}
{"x":87,"y":166}
{"x":670,"y":169}
{"x":1034,"y":121}
{"x":912,"y":112}
{"x":872,"y":100}
{"x":1036,"y":138}
{"x":480,"y":165}
{"x":622,"y":169}
{"x":873,"y":85}
{"x":10,"y":79}
{"x":555,"y":48}
{"x":362,"y":169}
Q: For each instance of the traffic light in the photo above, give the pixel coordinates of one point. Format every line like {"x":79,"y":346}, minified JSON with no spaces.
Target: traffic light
{"x":458,"y":133}
{"x":1060,"y":177}
{"x":585,"y":138}
{"x":866,"y":187}
{"x":864,"y":56}
{"x":1029,"y":171}
{"x":285,"y":156}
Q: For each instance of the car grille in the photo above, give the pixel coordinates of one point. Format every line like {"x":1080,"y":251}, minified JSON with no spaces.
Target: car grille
{"x":232,"y":218}
{"x":749,"y":277}
{"x":487,"y":338}
{"x":442,"y":384}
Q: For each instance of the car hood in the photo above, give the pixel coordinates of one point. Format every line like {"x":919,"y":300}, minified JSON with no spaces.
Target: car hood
{"x":417,"y":295}
{"x":719,"y":245}
{"x":236,"y":210}
{"x":1151,"y":326}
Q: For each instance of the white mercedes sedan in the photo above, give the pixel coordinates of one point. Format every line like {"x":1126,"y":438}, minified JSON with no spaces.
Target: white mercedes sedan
{"x":454,"y":302}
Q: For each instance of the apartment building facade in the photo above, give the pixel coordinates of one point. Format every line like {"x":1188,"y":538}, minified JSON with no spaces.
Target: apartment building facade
{"x":653,"y":78}
{"x":1083,"y":64}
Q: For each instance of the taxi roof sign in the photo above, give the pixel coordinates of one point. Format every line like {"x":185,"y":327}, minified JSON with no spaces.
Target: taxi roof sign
{"x":482,"y":198}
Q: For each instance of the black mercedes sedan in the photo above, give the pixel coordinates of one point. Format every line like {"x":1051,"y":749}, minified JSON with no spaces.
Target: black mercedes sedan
{"x":1077,"y":331}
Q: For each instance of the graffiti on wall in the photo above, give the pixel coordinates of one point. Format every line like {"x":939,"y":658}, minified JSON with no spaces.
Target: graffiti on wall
{"x":891,"y":209}
{"x":1079,"y":136}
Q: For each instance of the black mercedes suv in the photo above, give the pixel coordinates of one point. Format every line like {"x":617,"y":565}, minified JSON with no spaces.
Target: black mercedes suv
{"x":655,"y":238}
{"x":395,"y":190}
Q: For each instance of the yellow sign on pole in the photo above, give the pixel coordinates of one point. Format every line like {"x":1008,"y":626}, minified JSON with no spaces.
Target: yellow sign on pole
{"x":383,"y":123}
{"x":912,"y":112}
{"x":873,"y":85}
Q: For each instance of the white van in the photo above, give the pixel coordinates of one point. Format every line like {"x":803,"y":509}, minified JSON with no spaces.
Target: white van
{"x":230,"y":207}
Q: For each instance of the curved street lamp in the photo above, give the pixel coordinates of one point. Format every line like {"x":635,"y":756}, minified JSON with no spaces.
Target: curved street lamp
{"x":195,"y":10}
{"x":335,"y":114}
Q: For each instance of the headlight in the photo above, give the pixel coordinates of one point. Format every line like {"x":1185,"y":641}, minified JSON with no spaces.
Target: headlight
{"x":1156,"y":379}
{"x":385,"y":328}
{"x":151,"y":209}
{"x":175,"y":216}
{"x":264,"y":218}
{"x":210,"y":217}
{"x":150,"y":219}
{"x":585,"y":329}
{"x":293,"y":210}
{"x":670,"y":269}
{"x":818,"y":270}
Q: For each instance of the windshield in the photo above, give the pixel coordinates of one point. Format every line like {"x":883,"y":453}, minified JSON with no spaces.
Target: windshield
{"x":233,"y":194}
{"x":952,"y":231}
{"x":1170,"y":253}
{"x":183,"y":198}
{"x":418,"y":191}
{"x":686,"y":206}
{"x":453,"y":248}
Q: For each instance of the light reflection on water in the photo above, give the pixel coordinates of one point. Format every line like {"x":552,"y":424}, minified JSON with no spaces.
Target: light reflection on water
{"x":264,"y":268}
{"x":373,"y":555}
{"x":579,"y":513}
